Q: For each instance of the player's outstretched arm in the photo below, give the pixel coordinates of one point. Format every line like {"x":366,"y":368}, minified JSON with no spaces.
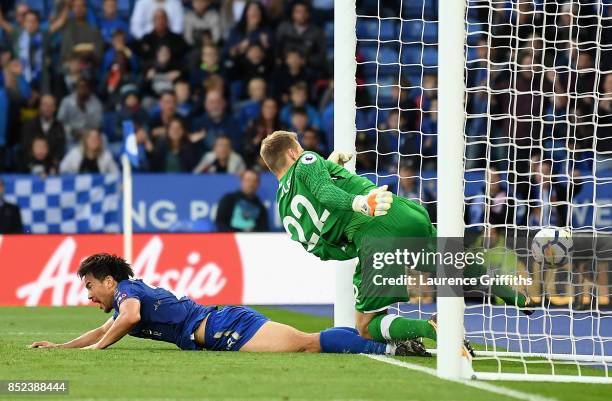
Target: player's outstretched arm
{"x":313,"y":174}
{"x":84,"y":340}
{"x":129,"y":316}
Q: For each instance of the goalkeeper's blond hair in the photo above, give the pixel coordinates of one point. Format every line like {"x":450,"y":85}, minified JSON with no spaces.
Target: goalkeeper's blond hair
{"x":274,"y":148}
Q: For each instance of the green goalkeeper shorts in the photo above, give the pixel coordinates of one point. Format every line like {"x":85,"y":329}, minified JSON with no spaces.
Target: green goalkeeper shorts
{"x":406,"y":218}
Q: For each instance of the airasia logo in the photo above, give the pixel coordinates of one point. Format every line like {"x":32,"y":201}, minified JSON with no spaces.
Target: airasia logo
{"x":205,"y":268}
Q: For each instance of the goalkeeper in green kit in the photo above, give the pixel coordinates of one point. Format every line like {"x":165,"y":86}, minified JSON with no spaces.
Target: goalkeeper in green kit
{"x":330,"y":211}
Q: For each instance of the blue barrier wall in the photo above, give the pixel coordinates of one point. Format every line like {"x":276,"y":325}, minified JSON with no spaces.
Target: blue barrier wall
{"x":188,"y":203}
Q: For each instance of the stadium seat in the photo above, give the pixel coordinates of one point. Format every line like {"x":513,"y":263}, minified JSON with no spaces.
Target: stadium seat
{"x":376,"y":29}
{"x":42,"y":7}
{"x":367,"y":28}
{"x":363,"y":119}
{"x":472,"y":15}
{"x":367,"y":50}
{"x":419,"y":31}
{"x":471,"y":54}
{"x":388,"y":54}
{"x":388,"y":29}
{"x":421,"y":9}
{"x":327,"y":124}
{"x":430,"y":56}
{"x":329,"y":33}
{"x":411,"y":54}
{"x":474,"y":33}
{"x":109,"y":126}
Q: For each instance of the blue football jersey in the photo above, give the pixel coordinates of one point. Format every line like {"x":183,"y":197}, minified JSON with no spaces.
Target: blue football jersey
{"x":163,"y":316}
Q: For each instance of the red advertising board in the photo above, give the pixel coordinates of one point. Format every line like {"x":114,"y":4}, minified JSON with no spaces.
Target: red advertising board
{"x":41,"y":269}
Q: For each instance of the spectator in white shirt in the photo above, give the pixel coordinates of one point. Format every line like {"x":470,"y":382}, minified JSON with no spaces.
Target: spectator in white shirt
{"x":142,"y":16}
{"x":79,"y":111}
{"x":90,"y":157}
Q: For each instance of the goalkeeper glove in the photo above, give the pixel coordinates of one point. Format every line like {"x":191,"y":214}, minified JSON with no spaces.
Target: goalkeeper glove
{"x":339,"y":157}
{"x":375,"y":203}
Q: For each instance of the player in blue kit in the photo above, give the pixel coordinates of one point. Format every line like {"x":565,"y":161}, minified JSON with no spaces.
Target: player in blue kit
{"x":157,"y":314}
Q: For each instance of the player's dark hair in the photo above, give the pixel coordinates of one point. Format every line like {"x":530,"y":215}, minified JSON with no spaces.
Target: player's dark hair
{"x":102,"y":265}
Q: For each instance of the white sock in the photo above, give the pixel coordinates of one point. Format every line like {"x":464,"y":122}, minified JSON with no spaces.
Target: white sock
{"x":390,"y":349}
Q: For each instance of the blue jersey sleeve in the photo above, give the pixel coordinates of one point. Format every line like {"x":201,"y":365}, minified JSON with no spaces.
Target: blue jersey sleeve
{"x":127,"y":289}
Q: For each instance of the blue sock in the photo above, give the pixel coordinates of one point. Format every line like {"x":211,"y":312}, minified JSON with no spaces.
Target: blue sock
{"x":340,"y":340}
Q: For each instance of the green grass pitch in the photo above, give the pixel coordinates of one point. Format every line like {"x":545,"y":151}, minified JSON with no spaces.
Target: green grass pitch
{"x":136,"y":369}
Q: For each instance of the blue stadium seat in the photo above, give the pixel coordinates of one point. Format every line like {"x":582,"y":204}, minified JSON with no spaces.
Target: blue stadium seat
{"x":382,"y":93}
{"x":471,"y":54}
{"x":388,"y":54}
{"x":420,"y":31}
{"x":362,"y":119}
{"x":392,"y":71}
{"x":472,"y":13}
{"x":424,"y":9}
{"x":388,"y":29}
{"x":327,"y":125}
{"x":368,"y":51}
{"x":329,"y":33}
{"x":323,"y":4}
{"x":42,"y":7}
{"x":411,"y":54}
{"x":368,"y":28}
{"x":416,"y":79}
{"x":109,"y":126}
{"x":474,"y":33}
{"x":430,"y":56}
{"x":430,"y":32}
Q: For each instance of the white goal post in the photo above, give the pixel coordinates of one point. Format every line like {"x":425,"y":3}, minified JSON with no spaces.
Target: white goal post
{"x":451,"y":91}
{"x":345,"y":42}
{"x":517,"y":95}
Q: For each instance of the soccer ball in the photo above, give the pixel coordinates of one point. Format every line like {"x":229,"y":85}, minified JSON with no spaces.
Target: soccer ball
{"x":552,"y":246}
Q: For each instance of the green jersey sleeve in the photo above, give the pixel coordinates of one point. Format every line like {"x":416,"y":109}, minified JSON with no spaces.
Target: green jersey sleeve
{"x":311,"y":171}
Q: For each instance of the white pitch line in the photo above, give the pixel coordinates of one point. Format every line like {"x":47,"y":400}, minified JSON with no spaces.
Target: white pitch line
{"x":471,"y":383}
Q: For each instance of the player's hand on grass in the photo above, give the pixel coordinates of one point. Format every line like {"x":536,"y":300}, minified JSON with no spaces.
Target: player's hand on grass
{"x":375,"y":203}
{"x":43,"y":344}
{"x":339,"y":157}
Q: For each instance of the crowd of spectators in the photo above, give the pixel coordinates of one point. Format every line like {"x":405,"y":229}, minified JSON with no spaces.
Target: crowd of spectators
{"x":204,"y":81}
{"x":538,"y":104}
{"x":541,"y":95}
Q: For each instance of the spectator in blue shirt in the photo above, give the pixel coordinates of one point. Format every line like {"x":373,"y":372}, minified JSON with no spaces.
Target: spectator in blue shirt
{"x":248,"y":110}
{"x":184,"y":105}
{"x":110,"y":21}
{"x":31,"y":46}
{"x":131,"y":109}
{"x":119,"y":45}
{"x":215,"y":122}
{"x":299,"y":98}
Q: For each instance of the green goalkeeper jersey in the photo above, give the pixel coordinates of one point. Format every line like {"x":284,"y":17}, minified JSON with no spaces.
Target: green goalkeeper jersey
{"x":315,"y":198}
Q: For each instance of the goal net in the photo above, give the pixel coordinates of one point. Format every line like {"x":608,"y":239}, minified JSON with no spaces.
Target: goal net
{"x":537,"y":128}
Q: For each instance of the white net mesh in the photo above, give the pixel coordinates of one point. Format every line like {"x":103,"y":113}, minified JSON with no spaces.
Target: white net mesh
{"x":538,"y":134}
